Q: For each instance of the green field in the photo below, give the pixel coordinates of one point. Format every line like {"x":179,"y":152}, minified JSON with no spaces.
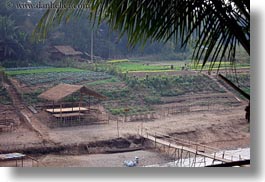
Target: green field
{"x":217,"y":65}
{"x":105,"y":81}
{"x":118,"y":61}
{"x":42,"y":70}
{"x":124,"y":67}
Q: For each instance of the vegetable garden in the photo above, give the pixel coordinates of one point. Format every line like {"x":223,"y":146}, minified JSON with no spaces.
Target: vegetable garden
{"x":127,"y":94}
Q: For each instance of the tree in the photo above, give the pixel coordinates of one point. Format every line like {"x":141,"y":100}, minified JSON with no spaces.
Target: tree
{"x":218,"y":26}
{"x":11,"y":38}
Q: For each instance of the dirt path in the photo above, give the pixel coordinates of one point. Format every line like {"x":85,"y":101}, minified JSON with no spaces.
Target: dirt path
{"x":26,"y":115}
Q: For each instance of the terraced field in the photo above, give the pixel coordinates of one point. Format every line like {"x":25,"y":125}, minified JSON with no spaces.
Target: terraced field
{"x":130,"y":94}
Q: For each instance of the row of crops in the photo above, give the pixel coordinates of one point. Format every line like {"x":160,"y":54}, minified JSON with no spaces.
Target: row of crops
{"x":38,"y":70}
{"x":61,"y":77}
{"x":218,"y":65}
{"x":143,"y":93}
{"x":27,"y":68}
{"x":177,"y":85}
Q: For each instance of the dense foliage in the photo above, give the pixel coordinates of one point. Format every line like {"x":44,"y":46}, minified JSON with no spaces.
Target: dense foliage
{"x":18,"y":48}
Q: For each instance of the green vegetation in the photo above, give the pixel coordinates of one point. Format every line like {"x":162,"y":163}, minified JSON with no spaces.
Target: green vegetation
{"x":218,"y":65}
{"x":241,"y":80}
{"x":43,"y":70}
{"x":124,"y":67}
{"x":118,"y":61}
{"x":99,"y":82}
{"x":4,"y":97}
{"x":179,"y":85}
{"x":153,"y":99}
{"x":19,"y":50}
{"x":116,"y":93}
{"x":32,"y":97}
{"x":136,"y":66}
{"x":62,"y":75}
{"x":128,"y":110}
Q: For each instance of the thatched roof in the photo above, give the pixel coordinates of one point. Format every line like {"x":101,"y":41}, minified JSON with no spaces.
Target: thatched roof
{"x":61,"y":91}
{"x":67,"y":50}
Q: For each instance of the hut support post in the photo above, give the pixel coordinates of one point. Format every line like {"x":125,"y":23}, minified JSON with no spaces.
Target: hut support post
{"x":61,"y":111}
{"x":72,"y":103}
{"x":80,"y":104}
{"x":155,"y":140}
{"x":53,"y":106}
{"x":80,"y":100}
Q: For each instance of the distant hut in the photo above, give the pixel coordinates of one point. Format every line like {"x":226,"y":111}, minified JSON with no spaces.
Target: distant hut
{"x":63,"y":51}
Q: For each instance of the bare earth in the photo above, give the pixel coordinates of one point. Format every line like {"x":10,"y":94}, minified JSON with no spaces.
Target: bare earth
{"x":223,"y":129}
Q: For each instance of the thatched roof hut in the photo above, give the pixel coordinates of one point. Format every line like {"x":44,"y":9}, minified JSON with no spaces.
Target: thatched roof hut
{"x":61,"y":91}
{"x":67,"y":50}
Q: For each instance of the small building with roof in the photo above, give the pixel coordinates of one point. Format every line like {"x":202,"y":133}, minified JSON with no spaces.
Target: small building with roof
{"x":63,"y":51}
{"x":78,"y":109}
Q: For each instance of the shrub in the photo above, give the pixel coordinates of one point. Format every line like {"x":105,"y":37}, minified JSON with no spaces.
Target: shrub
{"x":152,"y":100}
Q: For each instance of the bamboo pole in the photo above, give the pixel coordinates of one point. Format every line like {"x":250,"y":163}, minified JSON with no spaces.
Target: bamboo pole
{"x":155,"y":140}
{"x":175,"y":154}
{"x":181,"y":156}
{"x":61,"y":111}
{"x":53,"y":106}
{"x":214,"y":157}
{"x":80,"y":98}
{"x":195,"y":159}
{"x":189,"y":159}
